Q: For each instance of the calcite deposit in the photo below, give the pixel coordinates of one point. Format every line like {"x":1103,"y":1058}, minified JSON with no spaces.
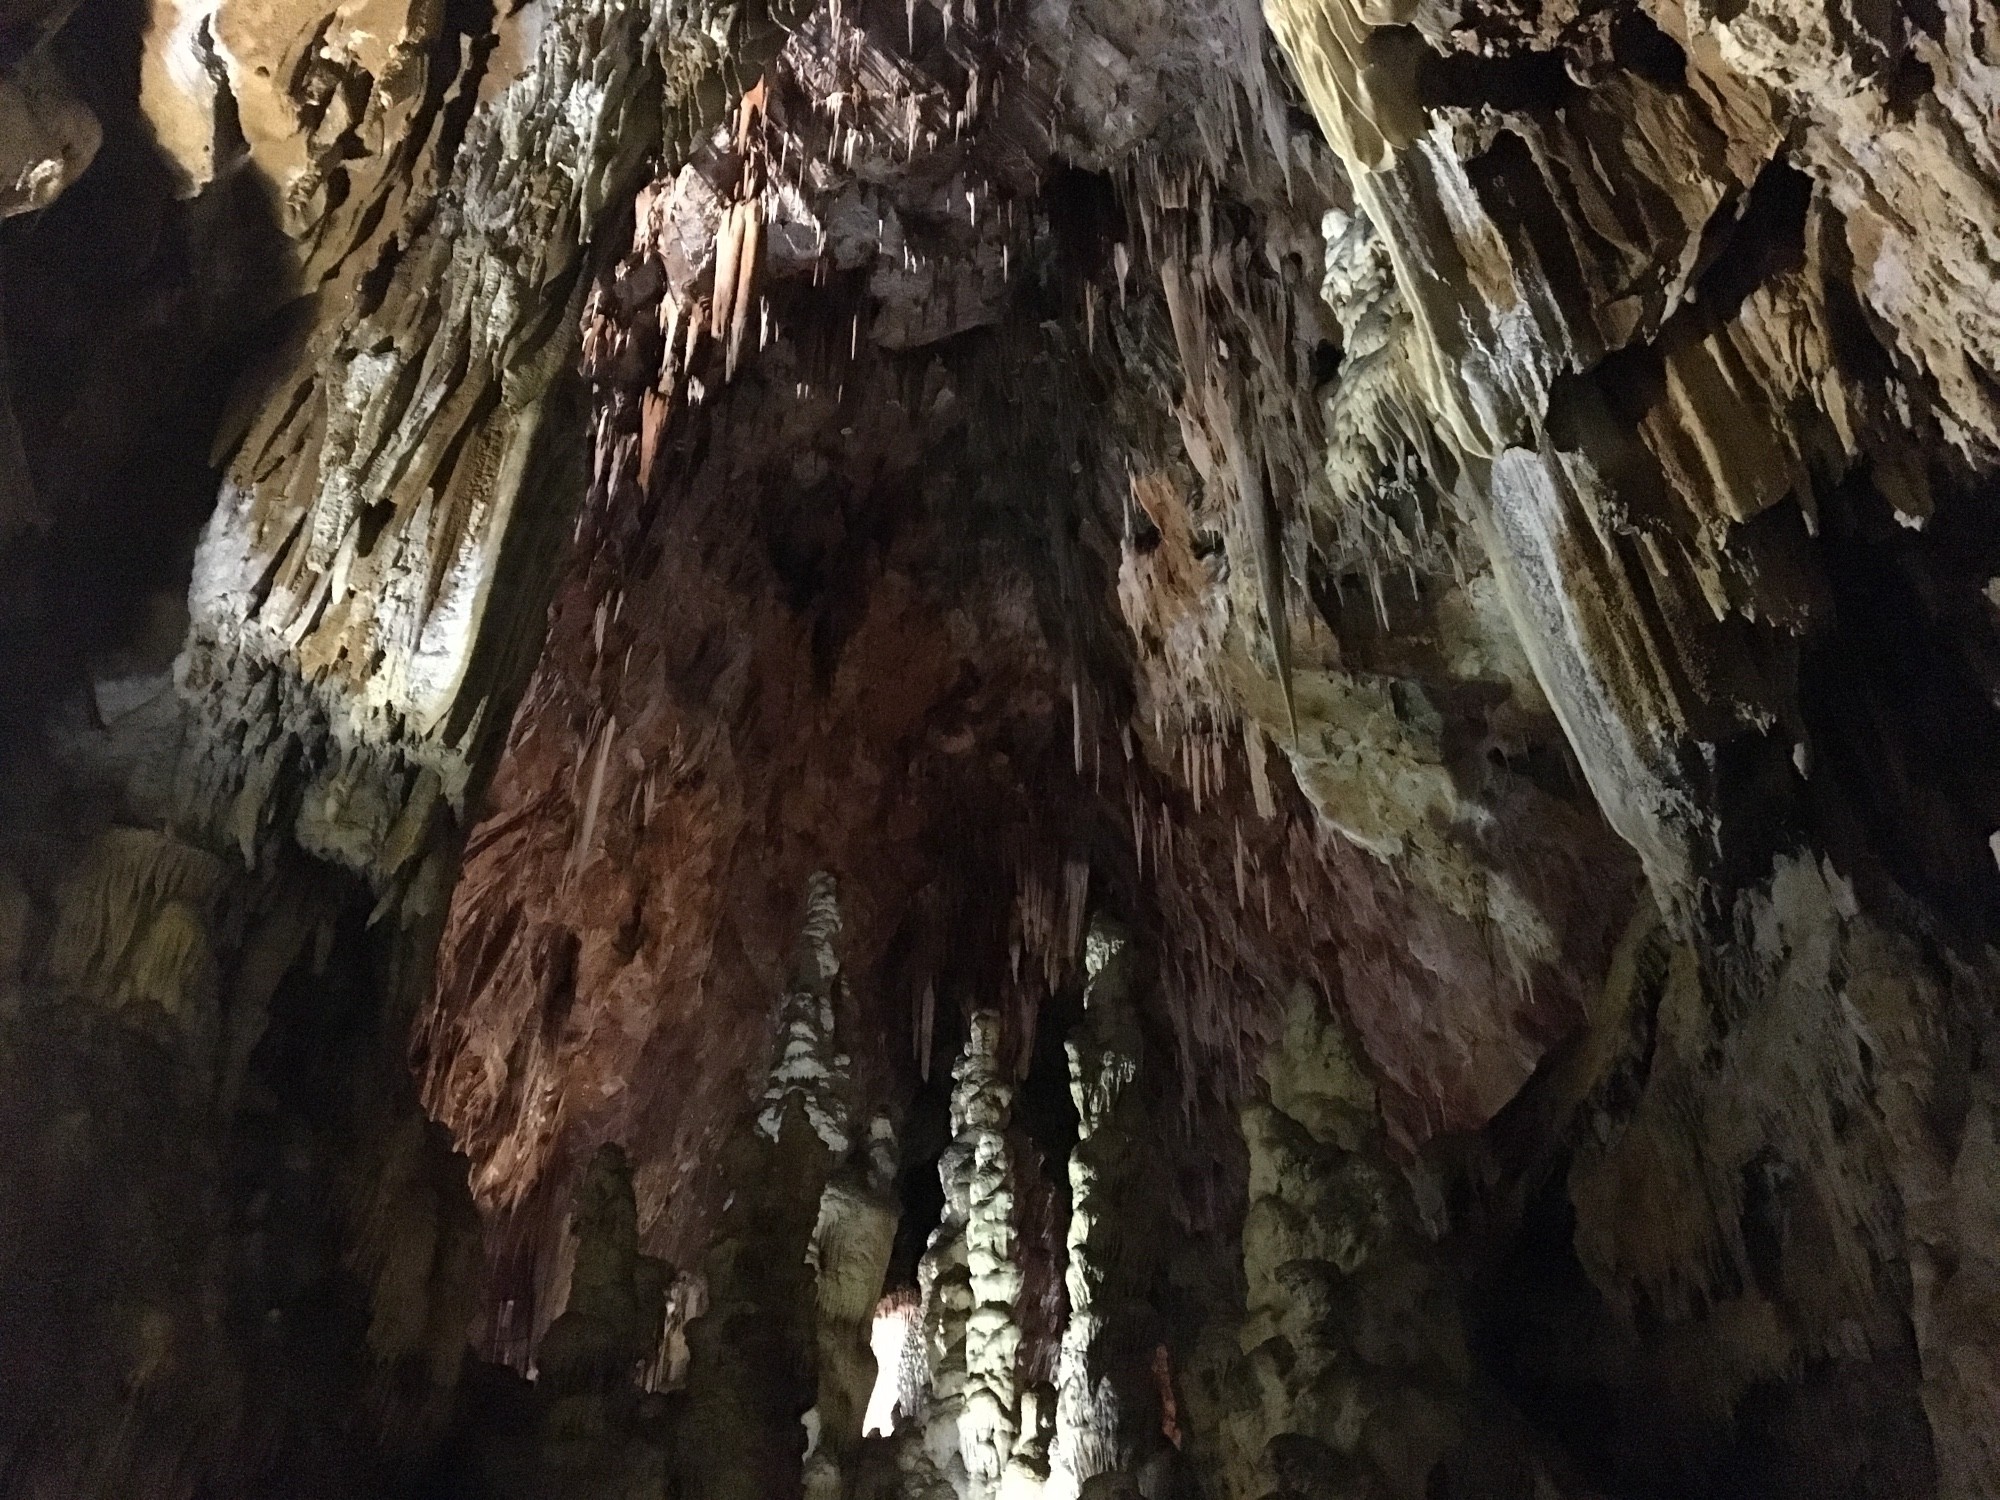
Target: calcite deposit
{"x":1270,"y":734}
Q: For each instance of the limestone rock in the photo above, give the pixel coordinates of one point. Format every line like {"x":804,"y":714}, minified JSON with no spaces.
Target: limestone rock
{"x":50,"y":136}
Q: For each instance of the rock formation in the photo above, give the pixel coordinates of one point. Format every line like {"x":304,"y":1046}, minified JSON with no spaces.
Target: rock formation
{"x":751,"y":1425}
{"x":1284,"y":717}
{"x":1107,"y":1419}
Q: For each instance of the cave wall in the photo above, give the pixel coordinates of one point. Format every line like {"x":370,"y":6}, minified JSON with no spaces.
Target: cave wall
{"x":237,"y":1254}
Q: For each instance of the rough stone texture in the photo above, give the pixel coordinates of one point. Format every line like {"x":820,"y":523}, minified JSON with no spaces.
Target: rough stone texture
{"x":971,"y":1281}
{"x":50,"y":136}
{"x":239,"y":1256}
{"x":342,"y":586}
{"x":595,"y":1438}
{"x":1758,"y":1201}
{"x":1355,"y":1378}
{"x":320,"y":101}
{"x":981,"y":1199}
{"x":1576,"y":375}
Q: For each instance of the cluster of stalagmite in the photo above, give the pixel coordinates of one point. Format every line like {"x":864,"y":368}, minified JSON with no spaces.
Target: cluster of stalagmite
{"x":849,"y":1258}
{"x":1354,"y":1379}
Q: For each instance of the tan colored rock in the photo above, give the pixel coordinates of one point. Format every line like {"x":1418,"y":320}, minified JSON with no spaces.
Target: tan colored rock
{"x":316,"y":98}
{"x":357,"y":547}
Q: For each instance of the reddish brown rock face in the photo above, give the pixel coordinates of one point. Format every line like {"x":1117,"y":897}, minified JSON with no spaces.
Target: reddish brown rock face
{"x":855,"y":609}
{"x":758,"y":670}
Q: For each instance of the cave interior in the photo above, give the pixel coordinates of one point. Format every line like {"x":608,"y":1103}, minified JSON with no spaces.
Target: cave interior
{"x":1000,"y":749}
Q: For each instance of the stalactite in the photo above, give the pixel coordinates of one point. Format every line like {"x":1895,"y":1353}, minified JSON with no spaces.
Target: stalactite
{"x":1507,"y":461}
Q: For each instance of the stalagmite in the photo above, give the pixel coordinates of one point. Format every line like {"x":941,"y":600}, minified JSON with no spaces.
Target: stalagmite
{"x":970,"y":1281}
{"x":1354,"y":1378}
{"x":849,"y":1256}
{"x":989,"y":1419}
{"x":594,"y":1436}
{"x":1107,"y":1418}
{"x":742,"y":1433}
